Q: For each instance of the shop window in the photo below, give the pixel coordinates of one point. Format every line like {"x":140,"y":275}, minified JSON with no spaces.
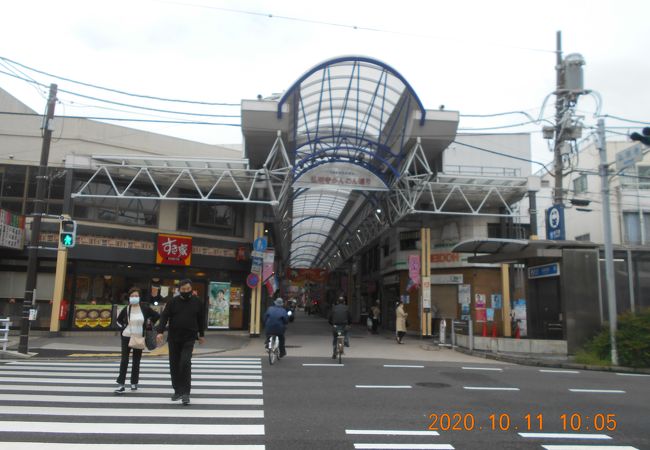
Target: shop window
{"x":632,"y":225}
{"x":408,"y":240}
{"x":223,"y":218}
{"x":643,"y":173}
{"x":580,"y":184}
{"x":128,"y":211}
{"x":508,"y":230}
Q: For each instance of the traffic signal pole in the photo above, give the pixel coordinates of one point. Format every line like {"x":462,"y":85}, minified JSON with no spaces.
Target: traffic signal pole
{"x":39,"y":206}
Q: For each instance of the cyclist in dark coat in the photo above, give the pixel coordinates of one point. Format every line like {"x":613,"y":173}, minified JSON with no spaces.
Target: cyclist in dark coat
{"x":275,"y":323}
{"x":340,"y":317}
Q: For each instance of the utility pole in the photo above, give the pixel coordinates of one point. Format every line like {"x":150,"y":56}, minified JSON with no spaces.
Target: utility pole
{"x":607,"y":230}
{"x":39,"y":204}
{"x":560,"y":107}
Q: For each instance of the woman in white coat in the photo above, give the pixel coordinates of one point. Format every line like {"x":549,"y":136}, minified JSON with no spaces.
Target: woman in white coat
{"x":400,"y":321}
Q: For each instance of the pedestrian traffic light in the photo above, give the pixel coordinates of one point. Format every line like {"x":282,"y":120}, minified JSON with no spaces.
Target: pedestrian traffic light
{"x":644,"y":138}
{"x":68,"y":233}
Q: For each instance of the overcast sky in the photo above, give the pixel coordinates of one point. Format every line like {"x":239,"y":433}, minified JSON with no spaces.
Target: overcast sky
{"x":476,"y":57}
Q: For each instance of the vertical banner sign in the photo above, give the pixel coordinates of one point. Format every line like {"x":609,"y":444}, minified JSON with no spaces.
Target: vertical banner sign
{"x":174,"y":250}
{"x":414,"y":269}
{"x":219,"y":305}
{"x":268,"y":272}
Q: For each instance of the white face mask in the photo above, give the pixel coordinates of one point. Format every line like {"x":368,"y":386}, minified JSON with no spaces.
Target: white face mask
{"x":134,"y":300}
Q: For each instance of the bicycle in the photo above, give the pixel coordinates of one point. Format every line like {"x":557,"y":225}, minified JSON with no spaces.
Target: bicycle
{"x":273,"y":348}
{"x":340,"y":342}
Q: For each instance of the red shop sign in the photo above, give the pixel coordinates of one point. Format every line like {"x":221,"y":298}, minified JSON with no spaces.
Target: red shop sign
{"x":174,"y":250}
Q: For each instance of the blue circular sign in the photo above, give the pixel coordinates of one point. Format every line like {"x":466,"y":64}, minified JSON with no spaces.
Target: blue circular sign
{"x":259,"y":245}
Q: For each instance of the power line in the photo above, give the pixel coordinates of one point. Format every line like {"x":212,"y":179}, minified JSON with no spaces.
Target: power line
{"x":494,"y":152}
{"x":126,"y":104}
{"x":349,"y":26}
{"x":122,"y":119}
{"x":116,"y":90}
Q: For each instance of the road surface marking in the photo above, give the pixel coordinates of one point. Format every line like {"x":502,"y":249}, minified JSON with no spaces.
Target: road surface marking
{"x":564,"y":436}
{"x":405,"y":446}
{"x":126,"y":399}
{"x":599,"y":391}
{"x":486,"y":388}
{"x":89,"y":446}
{"x":148,"y":369}
{"x":633,"y":374}
{"x":404,"y":366}
{"x":588,"y":447}
{"x":133,"y":412}
{"x":111,"y":381}
{"x":145,"y":376}
{"x":142,"y":389}
{"x":378,"y":386}
{"x":496,"y":369}
{"x":175,"y":429}
{"x":557,"y":371}
{"x":394,"y":432}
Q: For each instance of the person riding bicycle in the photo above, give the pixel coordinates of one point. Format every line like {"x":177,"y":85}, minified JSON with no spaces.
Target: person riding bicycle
{"x":275,"y":323}
{"x":340,"y":318}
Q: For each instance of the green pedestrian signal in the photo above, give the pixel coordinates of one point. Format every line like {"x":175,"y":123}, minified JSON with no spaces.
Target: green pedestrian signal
{"x":68,"y":233}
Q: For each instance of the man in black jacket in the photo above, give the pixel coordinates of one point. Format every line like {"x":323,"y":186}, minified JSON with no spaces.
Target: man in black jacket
{"x":340,"y":317}
{"x":186,"y":317}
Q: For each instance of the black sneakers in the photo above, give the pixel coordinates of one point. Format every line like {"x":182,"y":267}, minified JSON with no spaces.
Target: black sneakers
{"x":119,"y":390}
{"x":186,"y":400}
{"x":134,"y":387}
{"x":176,"y":397}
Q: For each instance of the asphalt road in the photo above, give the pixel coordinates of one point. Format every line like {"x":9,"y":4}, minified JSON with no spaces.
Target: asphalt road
{"x":432,"y":400}
{"x":320,"y":407}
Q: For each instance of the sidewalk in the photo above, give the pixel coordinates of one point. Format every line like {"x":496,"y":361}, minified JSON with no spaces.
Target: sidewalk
{"x":307,"y":336}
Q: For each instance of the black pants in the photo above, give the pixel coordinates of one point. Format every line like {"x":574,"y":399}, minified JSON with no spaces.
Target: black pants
{"x":180,"y":365}
{"x":124,"y":363}
{"x":375,"y":324}
{"x":283,"y":350}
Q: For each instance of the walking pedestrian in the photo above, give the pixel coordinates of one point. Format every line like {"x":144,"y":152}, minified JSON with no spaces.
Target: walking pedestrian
{"x":131,"y":321}
{"x":186,"y":317}
{"x":400,"y":321}
{"x":375,"y":311}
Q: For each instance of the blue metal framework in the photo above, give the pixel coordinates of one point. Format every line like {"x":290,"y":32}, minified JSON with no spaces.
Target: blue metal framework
{"x":353,"y":110}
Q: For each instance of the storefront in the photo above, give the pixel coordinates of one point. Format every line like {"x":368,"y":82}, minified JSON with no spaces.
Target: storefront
{"x":101,"y":270}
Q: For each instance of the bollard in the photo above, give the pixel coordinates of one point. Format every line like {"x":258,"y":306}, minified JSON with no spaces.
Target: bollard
{"x":443,"y":331}
{"x":453,"y":333}
{"x":471,"y":335}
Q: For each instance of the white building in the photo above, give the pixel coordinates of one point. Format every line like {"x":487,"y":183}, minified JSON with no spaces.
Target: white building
{"x":629,"y":198}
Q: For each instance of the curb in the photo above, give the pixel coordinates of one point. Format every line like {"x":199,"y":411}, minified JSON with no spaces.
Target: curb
{"x":555,"y":364}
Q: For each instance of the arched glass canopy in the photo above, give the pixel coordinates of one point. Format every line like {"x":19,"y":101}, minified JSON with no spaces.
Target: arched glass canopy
{"x":349,"y":121}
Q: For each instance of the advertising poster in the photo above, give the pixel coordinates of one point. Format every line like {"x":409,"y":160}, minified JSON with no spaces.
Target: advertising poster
{"x":219,"y":305}
{"x":490,"y":314}
{"x":465,"y":295}
{"x":496,"y":301}
{"x":519,"y":311}
{"x":464,"y":312}
{"x":93,"y":316}
{"x":480,"y":300}
{"x":481,"y":315}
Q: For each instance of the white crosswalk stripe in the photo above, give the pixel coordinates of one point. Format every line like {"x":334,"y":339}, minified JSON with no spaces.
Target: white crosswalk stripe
{"x":410,"y":438}
{"x":56,"y":405}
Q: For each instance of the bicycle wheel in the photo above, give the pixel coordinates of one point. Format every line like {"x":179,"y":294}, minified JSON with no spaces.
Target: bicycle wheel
{"x":339,"y":349}
{"x":272,"y":350}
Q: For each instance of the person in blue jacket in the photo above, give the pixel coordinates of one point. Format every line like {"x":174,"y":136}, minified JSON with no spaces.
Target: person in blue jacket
{"x":275,"y":323}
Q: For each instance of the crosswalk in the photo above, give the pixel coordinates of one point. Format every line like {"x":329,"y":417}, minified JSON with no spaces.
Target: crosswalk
{"x":49,"y":405}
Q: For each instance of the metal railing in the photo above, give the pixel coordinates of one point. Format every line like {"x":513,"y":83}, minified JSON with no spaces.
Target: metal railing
{"x":481,"y":171}
{"x":5,"y":339}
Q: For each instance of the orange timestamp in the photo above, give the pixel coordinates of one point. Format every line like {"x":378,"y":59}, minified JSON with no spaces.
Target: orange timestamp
{"x":529,"y":422}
